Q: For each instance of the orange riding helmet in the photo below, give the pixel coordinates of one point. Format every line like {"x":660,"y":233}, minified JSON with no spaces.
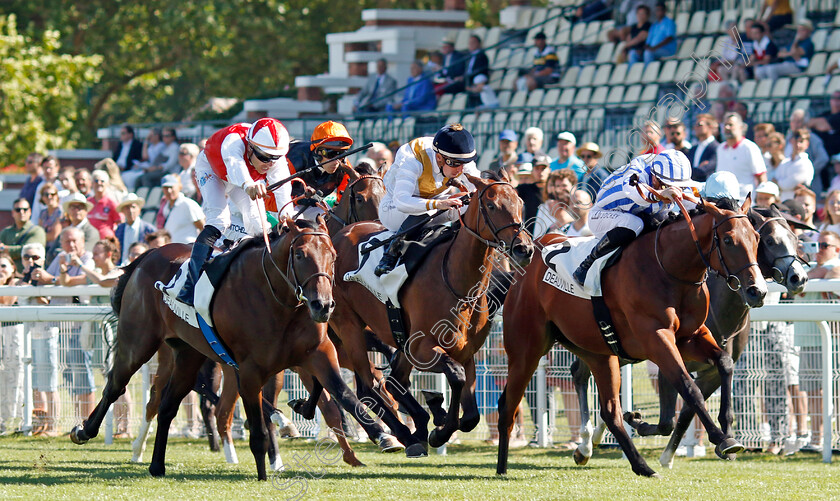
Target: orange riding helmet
{"x":330,"y":137}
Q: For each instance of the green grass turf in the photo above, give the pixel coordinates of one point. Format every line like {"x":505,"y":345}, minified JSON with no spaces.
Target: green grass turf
{"x":36,"y":469}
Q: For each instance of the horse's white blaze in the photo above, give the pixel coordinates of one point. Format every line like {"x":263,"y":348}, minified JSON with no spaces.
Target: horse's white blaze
{"x":138,"y":447}
{"x":230,"y":452}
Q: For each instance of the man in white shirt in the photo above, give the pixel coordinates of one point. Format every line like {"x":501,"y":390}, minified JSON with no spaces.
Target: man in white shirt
{"x":798,"y":169}
{"x":740,"y":156}
{"x":183,"y":217}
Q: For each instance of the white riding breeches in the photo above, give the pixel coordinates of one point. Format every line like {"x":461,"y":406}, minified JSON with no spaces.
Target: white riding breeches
{"x":601,"y":221}
{"x":215,"y":193}
{"x":392,"y":218}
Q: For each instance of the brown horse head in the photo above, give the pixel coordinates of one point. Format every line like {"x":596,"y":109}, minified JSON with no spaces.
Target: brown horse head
{"x":734,"y":252}
{"x":360,"y":199}
{"x":310,"y":261}
{"x":495,"y":214}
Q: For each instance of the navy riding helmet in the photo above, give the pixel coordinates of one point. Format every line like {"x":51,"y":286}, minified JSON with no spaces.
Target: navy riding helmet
{"x":456,"y":142}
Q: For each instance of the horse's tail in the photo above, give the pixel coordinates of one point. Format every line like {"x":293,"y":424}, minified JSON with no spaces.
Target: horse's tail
{"x":119,"y":289}
{"x":500,"y":283}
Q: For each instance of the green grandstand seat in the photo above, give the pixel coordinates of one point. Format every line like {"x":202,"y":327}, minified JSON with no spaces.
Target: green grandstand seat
{"x":468,"y":121}
{"x":714,"y":24}
{"x":462,"y":39}
{"x":459,"y":102}
{"x":579,"y":119}
{"x":633,"y":94}
{"x":747,"y":89}
{"x":605,"y":53}
{"x":535,"y":98}
{"x":548,"y":120}
{"x":590,"y":37}
{"x":802,"y":104}
{"x":453,"y":118}
{"x":817,"y":65}
{"x":833,"y":43}
{"x":519,"y":98}
{"x":578,"y":33}
{"x":149,"y":216}
{"x":599,"y":95}
{"x":531,"y":119}
{"x":583,"y":96}
{"x":142,"y":192}
{"x":682,"y":21}
{"x":704,"y":46}
{"x":686,"y":48}
{"x":819,"y":38}
{"x":496,"y":78}
{"x":504,"y":98}
{"x":486,"y":158}
{"x":619,"y":74}
{"x":517,"y":58}
{"x":509,"y":81}
{"x":606,"y":26}
{"x":817,"y":87}
{"x":616,"y":95}
{"x":763,"y":89}
{"x":570,"y":77}
{"x":602,"y":75}
{"x":154,"y":196}
{"x":567,"y":98}
{"x":697,"y":24}
{"x":668,"y":72}
{"x":444,"y":102}
{"x":799,"y":87}
{"x":551,"y":97}
{"x":501,"y":59}
{"x":515,"y":120}
{"x":685,"y":68}
{"x":764,"y":111}
{"x":492,"y":37}
{"x":563,"y":54}
{"x":833,"y":85}
{"x":712,"y":90}
{"x":585,"y":76}
{"x":562,"y":36}
{"x":635,"y":73}
{"x":539,"y":16}
{"x":651,"y":93}
{"x":781,"y":88}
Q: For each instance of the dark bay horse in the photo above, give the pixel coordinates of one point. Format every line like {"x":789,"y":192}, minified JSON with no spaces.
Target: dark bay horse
{"x":658,"y":306}
{"x":287,"y":294}
{"x":444,"y":308}
{"x":729,"y":323}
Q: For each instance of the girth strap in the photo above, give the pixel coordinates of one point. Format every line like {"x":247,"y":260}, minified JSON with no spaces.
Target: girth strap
{"x":605,"y":325}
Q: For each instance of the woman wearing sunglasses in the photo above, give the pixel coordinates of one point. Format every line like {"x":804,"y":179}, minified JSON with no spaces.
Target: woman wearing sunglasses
{"x":420,"y":182}
{"x":236,"y":164}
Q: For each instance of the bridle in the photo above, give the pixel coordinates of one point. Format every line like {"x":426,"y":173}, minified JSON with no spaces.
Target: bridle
{"x":778,"y":275}
{"x":732,"y":280}
{"x":294,"y":284}
{"x":349,"y":190}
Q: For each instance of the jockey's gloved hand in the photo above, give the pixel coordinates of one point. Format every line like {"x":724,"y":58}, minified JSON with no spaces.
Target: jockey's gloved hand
{"x":309,"y":192}
{"x":255,"y":190}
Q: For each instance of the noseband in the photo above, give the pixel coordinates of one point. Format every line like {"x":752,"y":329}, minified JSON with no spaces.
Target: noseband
{"x":353,"y":216}
{"x":497,"y":242}
{"x":778,"y":275}
{"x":294,"y":284}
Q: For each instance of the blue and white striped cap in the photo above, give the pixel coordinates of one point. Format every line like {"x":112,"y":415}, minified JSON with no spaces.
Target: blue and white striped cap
{"x":672,"y":168}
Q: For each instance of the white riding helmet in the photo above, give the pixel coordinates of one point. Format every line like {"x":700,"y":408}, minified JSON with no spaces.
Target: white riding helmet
{"x":672,"y":168}
{"x":269,"y":136}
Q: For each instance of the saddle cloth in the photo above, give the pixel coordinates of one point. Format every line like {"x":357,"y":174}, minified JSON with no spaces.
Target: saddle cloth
{"x":387,"y":287}
{"x":563,"y":258}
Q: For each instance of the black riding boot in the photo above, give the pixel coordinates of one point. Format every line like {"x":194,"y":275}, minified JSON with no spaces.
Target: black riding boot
{"x":392,"y":255}
{"x":615,"y":238}
{"x":201,"y":252}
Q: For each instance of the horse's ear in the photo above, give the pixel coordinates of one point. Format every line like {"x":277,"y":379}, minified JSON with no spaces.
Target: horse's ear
{"x":747,"y":202}
{"x":349,"y":170}
{"x":477,"y":181}
{"x":711,"y":208}
{"x":286,"y":224}
{"x":321,"y":222}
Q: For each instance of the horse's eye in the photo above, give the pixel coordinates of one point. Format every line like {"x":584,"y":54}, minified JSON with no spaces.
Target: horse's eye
{"x":360,"y":198}
{"x":298,"y":254}
{"x":728,"y":241}
{"x":491,"y":206}
{"x":768,"y":241}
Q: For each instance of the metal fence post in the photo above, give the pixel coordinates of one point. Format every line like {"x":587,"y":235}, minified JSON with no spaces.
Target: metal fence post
{"x":542,"y":409}
{"x":627,"y":395}
{"x":443,"y":387}
{"x":827,"y":396}
{"x":28,"y":404}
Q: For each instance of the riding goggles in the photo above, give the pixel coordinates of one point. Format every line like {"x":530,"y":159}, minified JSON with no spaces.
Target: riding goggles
{"x":265,"y":158}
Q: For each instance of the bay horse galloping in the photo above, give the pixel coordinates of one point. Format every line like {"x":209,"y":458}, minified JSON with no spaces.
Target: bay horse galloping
{"x":270,"y":311}
{"x":729,"y":323}
{"x":448,"y":321}
{"x":658,"y":300}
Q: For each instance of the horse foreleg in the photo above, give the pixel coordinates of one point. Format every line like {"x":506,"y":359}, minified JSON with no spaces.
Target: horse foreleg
{"x":250,"y":388}
{"x":224,"y":413}
{"x":397,"y":385}
{"x":158,"y":382}
{"x":607,"y":373}
{"x":306,"y":408}
{"x":708,"y":381}
{"x":187,"y":363}
{"x":580,"y":378}
{"x":332,"y":415}
{"x":667,"y":411}
{"x":521,"y":366}
{"x":471,"y":416}
{"x":456,"y":377}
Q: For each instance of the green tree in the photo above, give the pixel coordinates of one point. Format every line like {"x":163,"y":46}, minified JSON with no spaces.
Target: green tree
{"x":40,"y":91}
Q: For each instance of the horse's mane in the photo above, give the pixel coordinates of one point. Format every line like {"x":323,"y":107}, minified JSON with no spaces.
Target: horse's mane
{"x":119,"y":289}
{"x":492,"y":175}
{"x":365,"y":169}
{"x":652,"y":223}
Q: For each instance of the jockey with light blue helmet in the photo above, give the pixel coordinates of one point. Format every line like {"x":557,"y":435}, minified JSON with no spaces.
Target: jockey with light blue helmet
{"x":623,"y":198}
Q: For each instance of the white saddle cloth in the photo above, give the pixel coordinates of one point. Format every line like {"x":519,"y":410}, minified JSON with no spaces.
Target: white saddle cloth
{"x":204,"y":292}
{"x":387,"y":287}
{"x":563,"y":258}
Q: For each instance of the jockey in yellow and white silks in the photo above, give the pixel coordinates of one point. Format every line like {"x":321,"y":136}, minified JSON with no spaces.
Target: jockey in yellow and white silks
{"x":419,"y":184}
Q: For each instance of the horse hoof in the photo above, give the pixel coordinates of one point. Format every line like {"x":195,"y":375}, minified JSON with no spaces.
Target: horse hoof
{"x":631,"y":417}
{"x":78,"y":435}
{"x":390,"y":444}
{"x":666,"y":461}
{"x":416,"y":451}
{"x":435,"y":440}
{"x":580,"y":459}
{"x":729,"y":446}
{"x":656,"y":475}
{"x":156,"y":471}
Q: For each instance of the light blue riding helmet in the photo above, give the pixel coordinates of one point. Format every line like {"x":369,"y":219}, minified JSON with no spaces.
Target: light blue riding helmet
{"x":722,"y":184}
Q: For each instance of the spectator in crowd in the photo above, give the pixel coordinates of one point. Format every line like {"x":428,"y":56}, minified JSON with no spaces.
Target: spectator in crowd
{"x":508,"y":144}
{"x":541,"y":169}
{"x":104,"y":215}
{"x":662,"y":38}
{"x":554,"y":213}
{"x":133,"y":229}
{"x":11,"y":338}
{"x":628,"y":10}
{"x":378,"y":91}
{"x":545,"y":69}
{"x":594,"y":10}
{"x":84,"y":182}
{"x":116,"y":187}
{"x":777,"y":13}
{"x":529,"y":191}
{"x":635,"y":37}
{"x":807,"y":338}
{"x":595,"y":175}
{"x":797,"y":170}
{"x":835,"y":168}
{"x":44,"y":336}
{"x":740,"y":156}
{"x":481,"y":95}
{"x":733,"y":57}
{"x":180,"y":216}
{"x":762,"y":132}
{"x":832,"y":212}
{"x":67,"y":180}
{"x":79,"y":373}
{"x":158,"y":238}
{"x":453,"y":67}
{"x":781,"y":360}
{"x":807,"y":199}
{"x":675,"y":138}
{"x":382,"y":156}
{"x":76,"y":208}
{"x":476,"y":63}
{"x":816,"y":151}
{"x":129,"y":149}
{"x":166,"y":163}
{"x":51,"y":219}
{"x":765,"y":51}
{"x":419,"y":95}
{"x":152,"y":154}
{"x":566,"y":158}
{"x":33,"y":170}
{"x":49,"y":171}
{"x":579,"y":227}
{"x":22,"y":232}
{"x":741,"y":108}
{"x":775,"y":154}
{"x":827,"y":125}
{"x":433,"y":65}
{"x":703,"y":156}
{"x":136,"y":249}
{"x":651,"y":139}
{"x":766,"y":194}
{"x":187,"y":157}
{"x":532,"y":140}
{"x":795,"y":58}
{"x":524,"y":162}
